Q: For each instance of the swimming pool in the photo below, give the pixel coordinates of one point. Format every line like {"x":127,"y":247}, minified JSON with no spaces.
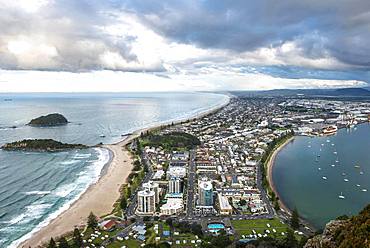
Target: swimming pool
{"x":216,"y":226}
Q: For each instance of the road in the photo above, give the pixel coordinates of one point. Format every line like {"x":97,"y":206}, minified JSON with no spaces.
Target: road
{"x":191,"y":186}
{"x":130,"y":210}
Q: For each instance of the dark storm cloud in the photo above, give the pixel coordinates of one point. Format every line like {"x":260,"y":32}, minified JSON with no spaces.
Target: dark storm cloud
{"x":336,"y":27}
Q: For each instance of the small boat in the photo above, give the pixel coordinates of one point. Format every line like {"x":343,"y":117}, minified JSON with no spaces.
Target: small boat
{"x":330,"y":130}
{"x":345,"y":179}
{"x":361,"y":173}
{"x":364,"y":190}
{"x":335,"y":152}
{"x":324,"y":178}
{"x":102,"y":136}
{"x":319,"y":168}
{"x":336,"y":161}
{"x":322,"y":144}
{"x":318,"y":155}
{"x":328,"y":141}
{"x":333,"y":165}
{"x":341,"y":196}
{"x":309,"y":146}
{"x":343,"y":174}
{"x":357,"y":166}
{"x":332,"y":144}
{"x":358,"y":185}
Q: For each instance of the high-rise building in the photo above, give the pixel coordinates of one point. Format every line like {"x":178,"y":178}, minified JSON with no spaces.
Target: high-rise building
{"x":146,"y":202}
{"x":175,"y":185}
{"x":152,"y":186}
{"x":205,"y":192}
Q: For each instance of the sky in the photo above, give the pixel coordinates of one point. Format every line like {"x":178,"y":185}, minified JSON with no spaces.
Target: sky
{"x":192,"y":45}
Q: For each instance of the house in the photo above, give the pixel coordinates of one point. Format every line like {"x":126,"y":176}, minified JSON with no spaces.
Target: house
{"x":108,"y":225}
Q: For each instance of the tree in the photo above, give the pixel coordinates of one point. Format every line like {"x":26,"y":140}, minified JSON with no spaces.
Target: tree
{"x":77,"y":240}
{"x":123,"y":203}
{"x":52,"y":244}
{"x":276,"y":204}
{"x":290,"y":241}
{"x":92,"y":221}
{"x":169,"y":222}
{"x":303,"y":241}
{"x":221,"y":241}
{"x":63,"y":243}
{"x":242,"y":202}
{"x":294,"y":221}
{"x":196,"y":229}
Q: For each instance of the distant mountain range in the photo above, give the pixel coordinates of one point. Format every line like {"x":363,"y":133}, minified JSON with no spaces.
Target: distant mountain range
{"x":342,"y":92}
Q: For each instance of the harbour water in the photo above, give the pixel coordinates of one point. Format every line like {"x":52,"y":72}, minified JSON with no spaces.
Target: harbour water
{"x":325,"y":177}
{"x":35,"y":187}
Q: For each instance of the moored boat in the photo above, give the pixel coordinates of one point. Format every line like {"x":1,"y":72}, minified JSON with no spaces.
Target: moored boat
{"x":332,"y":129}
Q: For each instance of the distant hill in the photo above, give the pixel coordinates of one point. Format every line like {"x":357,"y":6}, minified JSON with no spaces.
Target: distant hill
{"x":344,"y":92}
{"x":49,"y":120}
{"x":352,"y":92}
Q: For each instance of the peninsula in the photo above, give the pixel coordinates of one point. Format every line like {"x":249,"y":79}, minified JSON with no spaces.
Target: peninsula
{"x":49,"y":120}
{"x":40,"y":145}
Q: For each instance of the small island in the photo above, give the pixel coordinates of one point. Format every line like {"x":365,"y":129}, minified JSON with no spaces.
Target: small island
{"x":49,"y":120}
{"x":41,"y":145}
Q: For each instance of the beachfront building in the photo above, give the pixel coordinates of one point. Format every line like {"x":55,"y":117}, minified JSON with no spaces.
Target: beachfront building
{"x":225,"y":207}
{"x":205,"y":192}
{"x":173,"y":206}
{"x":176,"y":171}
{"x":146,"y":202}
{"x":152,"y":186}
{"x":175,"y":185}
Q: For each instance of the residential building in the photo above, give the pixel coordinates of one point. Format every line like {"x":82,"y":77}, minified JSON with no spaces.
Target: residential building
{"x":146,"y":202}
{"x":205,"y":192}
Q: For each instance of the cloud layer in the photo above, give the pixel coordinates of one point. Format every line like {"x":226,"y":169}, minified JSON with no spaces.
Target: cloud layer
{"x":218,"y":45}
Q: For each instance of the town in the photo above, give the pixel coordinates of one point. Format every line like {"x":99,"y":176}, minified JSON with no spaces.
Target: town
{"x":207,"y":177}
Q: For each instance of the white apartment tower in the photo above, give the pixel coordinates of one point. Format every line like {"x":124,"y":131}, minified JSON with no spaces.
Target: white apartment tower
{"x":146,"y":202}
{"x":175,"y":185}
{"x":152,"y":186}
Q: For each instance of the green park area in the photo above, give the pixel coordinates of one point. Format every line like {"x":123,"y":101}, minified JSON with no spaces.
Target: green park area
{"x":170,"y":141}
{"x":271,"y":227}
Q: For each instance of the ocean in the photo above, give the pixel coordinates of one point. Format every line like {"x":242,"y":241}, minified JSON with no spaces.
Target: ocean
{"x":311,"y":173}
{"x":37,"y":186}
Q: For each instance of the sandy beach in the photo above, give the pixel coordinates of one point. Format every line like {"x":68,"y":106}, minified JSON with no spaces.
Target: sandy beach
{"x":100,"y":197}
{"x":270,"y":165}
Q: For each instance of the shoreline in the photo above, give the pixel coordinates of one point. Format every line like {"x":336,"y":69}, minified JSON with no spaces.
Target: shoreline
{"x":269,"y":168}
{"x":100,"y":197}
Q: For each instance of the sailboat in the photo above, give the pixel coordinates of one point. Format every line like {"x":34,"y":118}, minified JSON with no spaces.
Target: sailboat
{"x":341,"y":196}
